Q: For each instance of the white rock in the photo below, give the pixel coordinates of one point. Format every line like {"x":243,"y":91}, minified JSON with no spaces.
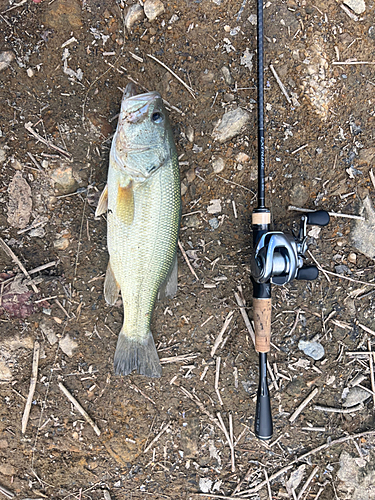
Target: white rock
{"x":5,"y":373}
{"x":205,"y":484}
{"x":134,"y":14}
{"x":153,"y":9}
{"x":6,"y":57}
{"x":247,"y":59}
{"x":214,"y":207}
{"x":313,"y":349}
{"x":356,"y":395}
{"x":357,"y":6}
{"x":218,"y":165}
{"x":30,"y":72}
{"x":67,"y":345}
{"x":231,"y":125}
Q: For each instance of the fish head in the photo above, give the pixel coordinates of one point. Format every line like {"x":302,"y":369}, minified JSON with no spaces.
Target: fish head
{"x":143,"y":141}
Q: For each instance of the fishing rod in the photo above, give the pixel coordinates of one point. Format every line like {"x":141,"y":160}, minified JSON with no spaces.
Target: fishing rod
{"x":277,"y":258}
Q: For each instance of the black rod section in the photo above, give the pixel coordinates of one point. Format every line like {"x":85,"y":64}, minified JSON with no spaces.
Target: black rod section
{"x":263,"y":417}
{"x":260,"y":76}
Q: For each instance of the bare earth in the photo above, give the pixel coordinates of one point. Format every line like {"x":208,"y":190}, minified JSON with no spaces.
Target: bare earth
{"x":164,"y":439}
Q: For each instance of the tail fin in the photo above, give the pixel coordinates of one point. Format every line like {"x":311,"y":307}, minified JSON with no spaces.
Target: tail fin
{"x":137,"y":355}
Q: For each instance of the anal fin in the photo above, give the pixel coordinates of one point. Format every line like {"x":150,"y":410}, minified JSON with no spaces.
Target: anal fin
{"x":111,"y":287}
{"x":103,"y":202}
{"x":169,"y":287}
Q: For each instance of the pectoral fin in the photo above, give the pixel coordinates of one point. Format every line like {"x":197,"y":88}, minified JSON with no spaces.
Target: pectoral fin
{"x":169,"y":287}
{"x":111,"y":287}
{"x":125,"y":203}
{"x":103,"y":202}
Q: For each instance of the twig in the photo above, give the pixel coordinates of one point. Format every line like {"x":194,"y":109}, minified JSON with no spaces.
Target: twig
{"x":183,"y":358}
{"x":230,"y":443}
{"x":268,"y":484}
{"x":137,"y":389}
{"x":372,"y":177}
{"x":333,"y":214}
{"x":303,"y":405}
{"x":157,"y":437}
{"x":219,"y":338}
{"x":303,"y":457}
{"x":235,"y":184}
{"x":189,"y":89}
{"x":79,"y":408}
{"x":280,"y":84}
{"x":6,"y":492}
{"x":44,"y":266}
{"x":242,"y":305}
{"x":187,"y":260}
{"x":308,"y":481}
{"x":320,"y":267}
{"x":13,"y":256}
{"x":299,"y":149}
{"x":345,"y":63}
{"x":366,"y":328}
{"x":314,"y":429}
{"x":330,"y":409}
{"x":33,"y":380}
{"x":29,"y":128}
{"x":217,"y":376}
{"x":22,"y":2}
{"x":372,"y":372}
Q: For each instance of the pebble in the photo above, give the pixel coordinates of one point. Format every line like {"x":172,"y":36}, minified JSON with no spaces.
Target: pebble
{"x":3,"y":444}
{"x":205,"y":484}
{"x":218,"y":165}
{"x":227,"y":76}
{"x":184,"y":188}
{"x":7,"y":470}
{"x":367,"y":155}
{"x":190,"y":175}
{"x":214,"y":223}
{"x":134,"y":15}
{"x":63,"y":179}
{"x":63,"y":14}
{"x":3,"y":155}
{"x":231,"y":125}
{"x":61,"y":243}
{"x":247,"y":59}
{"x":356,"y":395}
{"x":6,"y":57}
{"x":314,"y":350}
{"x":5,"y":373}
{"x":207,"y":77}
{"x":68,"y":345}
{"x":20,"y":202}
{"x":214,"y":207}
{"x":242,"y":157}
{"x":153,"y":9}
{"x":295,"y":387}
{"x":357,"y":6}
{"x":299,"y":195}
{"x":192,"y":221}
{"x":190,"y":133}
{"x":48,"y":332}
{"x":364,"y":227}
{"x":352,"y":258}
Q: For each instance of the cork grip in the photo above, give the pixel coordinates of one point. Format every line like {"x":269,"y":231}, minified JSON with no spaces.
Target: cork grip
{"x":262,"y":324}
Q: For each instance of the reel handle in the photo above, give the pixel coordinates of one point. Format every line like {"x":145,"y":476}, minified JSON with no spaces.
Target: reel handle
{"x":307,"y":273}
{"x":318,"y":218}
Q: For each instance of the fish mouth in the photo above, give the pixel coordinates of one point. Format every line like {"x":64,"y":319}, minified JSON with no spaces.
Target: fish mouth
{"x":135,"y":107}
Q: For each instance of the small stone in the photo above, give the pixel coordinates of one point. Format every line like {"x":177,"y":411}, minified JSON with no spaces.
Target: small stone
{"x":134,"y":15}
{"x":190,"y":133}
{"x":214,"y":207}
{"x":214,"y":223}
{"x":207,"y":77}
{"x":7,"y":470}
{"x":367,"y":155}
{"x":253,"y":19}
{"x":5,"y":373}
{"x":3,"y":155}
{"x":247,"y":59}
{"x":357,"y":6}
{"x":205,"y":484}
{"x":365,"y":227}
{"x":3,"y":444}
{"x":63,"y":179}
{"x":242,"y":157}
{"x":6,"y":57}
{"x":299,"y":195}
{"x":192,"y":221}
{"x":218,"y":165}
{"x":230,"y":125}
{"x":153,"y":9}
{"x":68,"y":345}
{"x":62,"y":243}
{"x":190,"y":175}
{"x":63,"y":15}
{"x":295,"y":387}
{"x":371,"y":32}
{"x":48,"y":331}
{"x":227,"y":76}
{"x":20,"y":202}
{"x":313,"y":349}
{"x":184,"y":188}
{"x":355,"y":396}
{"x":315,"y":232}
{"x":30,"y":72}
{"x":352,"y":258}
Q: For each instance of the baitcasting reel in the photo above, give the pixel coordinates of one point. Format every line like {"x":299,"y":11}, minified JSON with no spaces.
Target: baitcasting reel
{"x":279,"y":257}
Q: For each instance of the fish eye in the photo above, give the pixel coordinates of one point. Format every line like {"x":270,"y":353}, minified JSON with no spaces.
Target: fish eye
{"x":157,"y":117}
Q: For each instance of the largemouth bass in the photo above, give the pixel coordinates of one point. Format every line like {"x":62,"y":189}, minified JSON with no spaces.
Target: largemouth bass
{"x":143,"y":199}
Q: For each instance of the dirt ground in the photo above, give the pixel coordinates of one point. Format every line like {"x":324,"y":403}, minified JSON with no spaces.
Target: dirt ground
{"x":66,"y":64}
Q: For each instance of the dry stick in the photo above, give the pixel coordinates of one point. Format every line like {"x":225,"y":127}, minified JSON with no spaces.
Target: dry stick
{"x":230,"y":443}
{"x":333,"y":214}
{"x":371,"y":372}
{"x":352,"y":62}
{"x":33,"y":380}
{"x":189,"y":89}
{"x":319,"y":267}
{"x":78,"y":407}
{"x":235,"y":184}
{"x":242,"y":306}
{"x":6,"y":492}
{"x":12,"y":255}
{"x":309,"y":479}
{"x":217,"y":375}
{"x":345,"y":278}
{"x":29,"y":128}
{"x":227,"y":321}
{"x":268,"y":484}
{"x":157,"y":437}
{"x":330,"y":409}
{"x":183,"y":358}
{"x":303,"y":405}
{"x":366,"y":328}
{"x":187,"y":260}
{"x":372,"y":177}
{"x":280,"y":84}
